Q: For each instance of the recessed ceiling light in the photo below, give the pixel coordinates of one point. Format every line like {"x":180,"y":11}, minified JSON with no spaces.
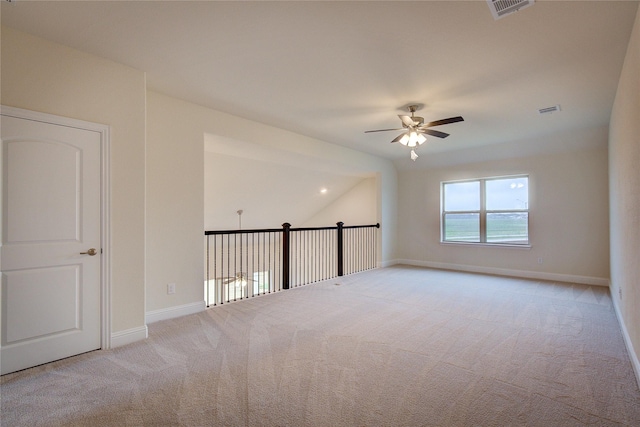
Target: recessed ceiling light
{"x":323,"y":190}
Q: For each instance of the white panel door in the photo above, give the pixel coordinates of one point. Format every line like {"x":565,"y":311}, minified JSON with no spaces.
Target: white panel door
{"x":50,"y":227}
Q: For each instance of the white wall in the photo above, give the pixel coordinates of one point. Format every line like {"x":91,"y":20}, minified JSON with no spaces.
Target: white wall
{"x":568,"y":221}
{"x":624,"y":181}
{"x":176,"y":131}
{"x":42,"y":76}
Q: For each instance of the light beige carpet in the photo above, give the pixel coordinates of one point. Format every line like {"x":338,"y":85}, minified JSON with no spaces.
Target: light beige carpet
{"x":400,"y":346}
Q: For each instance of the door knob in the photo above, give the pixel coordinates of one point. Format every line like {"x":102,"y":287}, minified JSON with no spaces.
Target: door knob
{"x":90,"y":252}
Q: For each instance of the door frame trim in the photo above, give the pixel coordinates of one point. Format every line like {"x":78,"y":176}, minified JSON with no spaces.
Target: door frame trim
{"x":105,"y":203}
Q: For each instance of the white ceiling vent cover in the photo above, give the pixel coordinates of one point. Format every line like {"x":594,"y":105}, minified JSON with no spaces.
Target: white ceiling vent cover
{"x":500,"y":8}
{"x":548,"y":110}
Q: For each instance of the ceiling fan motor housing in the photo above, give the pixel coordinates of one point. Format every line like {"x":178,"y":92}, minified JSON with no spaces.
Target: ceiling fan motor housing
{"x":419,"y":121}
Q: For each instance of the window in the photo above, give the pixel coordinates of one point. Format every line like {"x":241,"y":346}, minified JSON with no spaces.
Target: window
{"x":488,"y":210}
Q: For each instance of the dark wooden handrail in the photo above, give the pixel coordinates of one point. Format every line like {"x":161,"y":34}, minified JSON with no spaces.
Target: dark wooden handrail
{"x":275,"y":230}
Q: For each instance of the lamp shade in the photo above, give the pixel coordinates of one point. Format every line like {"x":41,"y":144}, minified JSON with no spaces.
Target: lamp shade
{"x":412,"y":139}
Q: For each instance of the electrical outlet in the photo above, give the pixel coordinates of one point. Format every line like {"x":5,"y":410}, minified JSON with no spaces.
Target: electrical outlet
{"x":171,"y":288}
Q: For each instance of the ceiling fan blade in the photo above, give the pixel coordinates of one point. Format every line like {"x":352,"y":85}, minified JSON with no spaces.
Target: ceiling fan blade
{"x":381,"y":130}
{"x":240,"y":277}
{"x":408,"y":121}
{"x":434,"y":133}
{"x":444,"y":122}
{"x":398,"y":138}
{"x":230,"y":279}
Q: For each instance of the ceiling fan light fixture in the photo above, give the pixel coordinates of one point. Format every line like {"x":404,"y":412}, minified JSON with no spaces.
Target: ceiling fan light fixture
{"x":413,"y":139}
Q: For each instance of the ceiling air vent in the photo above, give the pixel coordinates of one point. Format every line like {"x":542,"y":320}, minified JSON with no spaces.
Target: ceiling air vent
{"x":500,"y":8}
{"x":549,"y":109}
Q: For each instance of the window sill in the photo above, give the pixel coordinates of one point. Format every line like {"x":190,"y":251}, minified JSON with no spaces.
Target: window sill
{"x":490,"y":245}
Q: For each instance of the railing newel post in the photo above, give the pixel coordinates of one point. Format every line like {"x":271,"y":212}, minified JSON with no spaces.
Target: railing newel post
{"x":340,"y":245}
{"x":286,"y":230}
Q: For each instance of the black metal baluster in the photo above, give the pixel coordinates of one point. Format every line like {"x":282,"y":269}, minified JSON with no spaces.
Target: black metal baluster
{"x":225,"y":293}
{"x":360,"y":246}
{"x":239,"y":271}
{"x":269,"y":262}
{"x":339,"y":243}
{"x":324,"y":258}
{"x":300,"y":257}
{"x":356,"y":250}
{"x":313,"y":256}
{"x":366,"y":254}
{"x":253,"y":263}
{"x":206,"y":292}
{"x":216,"y":291}
{"x":352,"y":250}
{"x":356,"y":245}
{"x":317,"y":255}
{"x":215,"y":270}
{"x":262,"y":258}
{"x":372,"y":254}
{"x":277,"y":276}
{"x":348,"y":249}
{"x":246,"y":264}
{"x":298,"y":262}
{"x":306,"y":258}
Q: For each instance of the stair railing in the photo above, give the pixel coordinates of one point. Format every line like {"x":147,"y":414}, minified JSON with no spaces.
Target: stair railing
{"x":243,"y":264}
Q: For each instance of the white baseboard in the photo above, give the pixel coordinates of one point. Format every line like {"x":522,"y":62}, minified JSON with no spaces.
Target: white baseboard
{"x":176,"y":311}
{"x":539,"y":275}
{"x":129,"y":336}
{"x":633,"y":356}
{"x":384,"y":264}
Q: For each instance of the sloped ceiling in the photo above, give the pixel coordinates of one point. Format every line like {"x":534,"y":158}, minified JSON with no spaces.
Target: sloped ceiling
{"x":333,"y":69}
{"x":270,"y":186}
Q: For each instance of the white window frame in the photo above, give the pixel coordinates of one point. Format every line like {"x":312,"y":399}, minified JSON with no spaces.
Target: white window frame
{"x":482,"y":212}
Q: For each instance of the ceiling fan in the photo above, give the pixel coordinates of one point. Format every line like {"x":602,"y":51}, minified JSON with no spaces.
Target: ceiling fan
{"x":240,"y":279}
{"x":414,"y":130}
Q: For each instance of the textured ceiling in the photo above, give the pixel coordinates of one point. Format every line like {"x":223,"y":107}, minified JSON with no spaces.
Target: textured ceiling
{"x":331,"y":70}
